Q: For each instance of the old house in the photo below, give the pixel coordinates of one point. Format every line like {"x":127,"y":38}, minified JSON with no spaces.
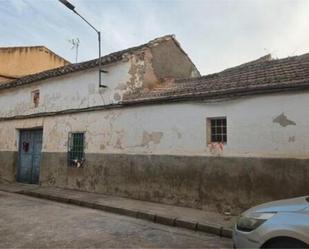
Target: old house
{"x":159,"y":131}
{"x":17,"y":62}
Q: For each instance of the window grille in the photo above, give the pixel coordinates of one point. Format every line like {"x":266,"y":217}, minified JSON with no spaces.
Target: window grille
{"x":76,"y":154}
{"x":218,"y":132}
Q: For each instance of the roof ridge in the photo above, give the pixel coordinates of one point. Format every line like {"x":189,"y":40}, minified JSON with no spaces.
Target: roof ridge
{"x":260,"y":60}
{"x":264,"y":59}
{"x":212,"y":75}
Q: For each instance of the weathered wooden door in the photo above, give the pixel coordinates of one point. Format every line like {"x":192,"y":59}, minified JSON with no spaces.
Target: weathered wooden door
{"x":30,"y":147}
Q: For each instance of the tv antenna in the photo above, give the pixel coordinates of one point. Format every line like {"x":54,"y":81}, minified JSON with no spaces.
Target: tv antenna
{"x":75,"y":44}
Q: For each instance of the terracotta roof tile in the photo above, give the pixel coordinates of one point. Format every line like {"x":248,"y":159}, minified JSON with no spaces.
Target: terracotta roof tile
{"x":261,"y":74}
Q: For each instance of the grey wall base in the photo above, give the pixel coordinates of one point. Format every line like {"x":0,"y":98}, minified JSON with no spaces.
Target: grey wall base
{"x":201,"y":182}
{"x":8,"y":166}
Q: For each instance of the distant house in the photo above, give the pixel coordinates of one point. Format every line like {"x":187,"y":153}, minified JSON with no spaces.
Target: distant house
{"x":159,"y":131}
{"x":17,"y":62}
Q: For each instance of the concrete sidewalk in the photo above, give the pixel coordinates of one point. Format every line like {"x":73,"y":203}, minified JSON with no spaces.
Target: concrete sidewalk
{"x":189,"y":218}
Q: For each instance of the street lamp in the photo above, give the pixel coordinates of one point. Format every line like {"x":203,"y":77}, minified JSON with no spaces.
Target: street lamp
{"x":72,"y":7}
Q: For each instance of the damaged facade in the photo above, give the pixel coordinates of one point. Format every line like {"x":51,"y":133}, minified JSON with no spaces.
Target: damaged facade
{"x":159,"y":131}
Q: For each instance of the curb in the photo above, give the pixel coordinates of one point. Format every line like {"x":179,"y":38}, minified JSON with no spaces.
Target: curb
{"x":169,"y":221}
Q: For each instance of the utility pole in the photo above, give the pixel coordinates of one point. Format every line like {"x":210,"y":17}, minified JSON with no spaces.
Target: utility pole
{"x":72,"y":7}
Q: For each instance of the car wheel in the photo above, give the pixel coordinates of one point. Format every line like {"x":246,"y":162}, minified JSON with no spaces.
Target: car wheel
{"x":286,"y":243}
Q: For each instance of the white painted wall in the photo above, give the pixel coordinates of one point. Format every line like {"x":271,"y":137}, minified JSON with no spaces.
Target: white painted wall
{"x":180,"y":128}
{"x":75,"y":90}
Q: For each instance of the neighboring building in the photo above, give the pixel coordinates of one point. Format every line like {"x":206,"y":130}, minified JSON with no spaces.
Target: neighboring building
{"x":226,"y":140}
{"x":17,"y":62}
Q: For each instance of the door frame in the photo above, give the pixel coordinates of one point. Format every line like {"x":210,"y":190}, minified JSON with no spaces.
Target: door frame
{"x":39,"y":128}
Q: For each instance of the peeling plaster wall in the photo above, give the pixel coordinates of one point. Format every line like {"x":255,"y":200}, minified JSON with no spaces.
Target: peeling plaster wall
{"x":138,"y":71}
{"x":254,"y":128}
{"x":71,"y":91}
{"x":163,"y":62}
{"x":169,"y":61}
{"x":180,"y":129}
{"x":159,"y":153}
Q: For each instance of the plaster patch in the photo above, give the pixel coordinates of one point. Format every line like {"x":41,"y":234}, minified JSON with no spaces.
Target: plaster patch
{"x":216,"y":149}
{"x":118,"y":144}
{"x":121,"y":87}
{"x":154,"y":137}
{"x":117,"y":97}
{"x":178,"y":134}
{"x":91,"y":89}
{"x":283,"y":120}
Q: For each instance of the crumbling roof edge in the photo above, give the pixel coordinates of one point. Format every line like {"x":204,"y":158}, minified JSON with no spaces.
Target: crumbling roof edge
{"x":67,"y":61}
{"x":184,"y":52}
{"x":36,"y":46}
{"x":264,"y":59}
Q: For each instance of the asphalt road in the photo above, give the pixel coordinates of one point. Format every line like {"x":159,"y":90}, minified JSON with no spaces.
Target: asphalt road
{"x":27,"y":222}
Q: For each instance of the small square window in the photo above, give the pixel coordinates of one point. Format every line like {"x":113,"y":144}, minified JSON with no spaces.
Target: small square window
{"x":217,"y":132}
{"x":76,"y":154}
{"x":35,"y":95}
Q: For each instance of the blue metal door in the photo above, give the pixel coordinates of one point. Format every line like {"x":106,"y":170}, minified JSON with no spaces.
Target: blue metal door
{"x":30,"y":146}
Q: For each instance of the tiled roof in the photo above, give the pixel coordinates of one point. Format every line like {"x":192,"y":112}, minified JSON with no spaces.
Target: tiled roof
{"x":259,"y":76}
{"x":71,"y":68}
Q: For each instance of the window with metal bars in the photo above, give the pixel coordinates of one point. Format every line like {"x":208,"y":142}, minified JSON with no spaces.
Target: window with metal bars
{"x":217,"y":131}
{"x":76,"y":154}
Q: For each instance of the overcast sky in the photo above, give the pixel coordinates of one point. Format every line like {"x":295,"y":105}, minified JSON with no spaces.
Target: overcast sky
{"x":216,"y":34}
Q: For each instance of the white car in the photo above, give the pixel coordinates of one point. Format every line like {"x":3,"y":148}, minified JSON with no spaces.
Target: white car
{"x":278,"y":224}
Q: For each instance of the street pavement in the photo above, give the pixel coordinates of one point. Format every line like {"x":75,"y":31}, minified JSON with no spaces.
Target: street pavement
{"x":27,"y":222}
